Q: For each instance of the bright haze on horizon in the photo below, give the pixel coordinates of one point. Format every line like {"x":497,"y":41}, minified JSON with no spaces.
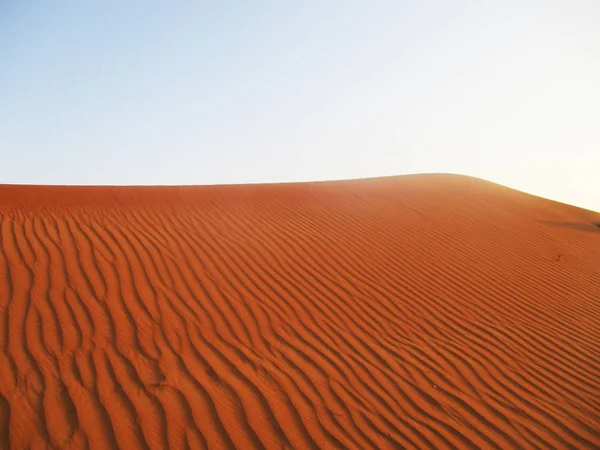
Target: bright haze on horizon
{"x":148,"y":92}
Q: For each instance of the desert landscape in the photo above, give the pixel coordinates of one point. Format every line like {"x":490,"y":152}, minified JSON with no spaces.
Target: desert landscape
{"x":422,"y":311}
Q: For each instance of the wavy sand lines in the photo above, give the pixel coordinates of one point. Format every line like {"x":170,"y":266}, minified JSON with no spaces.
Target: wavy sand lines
{"x":427,"y":311}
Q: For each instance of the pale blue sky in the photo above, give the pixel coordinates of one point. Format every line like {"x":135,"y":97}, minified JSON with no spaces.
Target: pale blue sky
{"x":193,"y":92}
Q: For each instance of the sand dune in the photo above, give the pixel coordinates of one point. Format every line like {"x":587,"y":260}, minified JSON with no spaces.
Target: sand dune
{"x":429,"y":311}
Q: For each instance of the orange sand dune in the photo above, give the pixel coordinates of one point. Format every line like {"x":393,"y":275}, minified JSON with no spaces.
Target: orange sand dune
{"x":429,"y":311}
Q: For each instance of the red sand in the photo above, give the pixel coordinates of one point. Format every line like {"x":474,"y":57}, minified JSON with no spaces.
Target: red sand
{"x":429,"y":311}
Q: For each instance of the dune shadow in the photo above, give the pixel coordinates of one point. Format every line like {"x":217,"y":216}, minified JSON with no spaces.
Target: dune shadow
{"x":593,"y":227}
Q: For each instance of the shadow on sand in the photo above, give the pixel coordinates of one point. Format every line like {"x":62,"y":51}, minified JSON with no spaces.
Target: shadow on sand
{"x":593,"y":227}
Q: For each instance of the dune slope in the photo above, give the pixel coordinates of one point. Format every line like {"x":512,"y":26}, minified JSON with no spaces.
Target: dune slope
{"x":430,"y":311}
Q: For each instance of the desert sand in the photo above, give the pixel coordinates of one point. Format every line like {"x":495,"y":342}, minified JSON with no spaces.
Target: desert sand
{"x":426,"y":311}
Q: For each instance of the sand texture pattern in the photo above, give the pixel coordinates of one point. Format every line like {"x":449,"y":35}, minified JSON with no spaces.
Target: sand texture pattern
{"x":426,"y":311}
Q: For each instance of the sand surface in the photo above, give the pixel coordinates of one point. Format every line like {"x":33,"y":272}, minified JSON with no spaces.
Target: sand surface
{"x":429,"y":311}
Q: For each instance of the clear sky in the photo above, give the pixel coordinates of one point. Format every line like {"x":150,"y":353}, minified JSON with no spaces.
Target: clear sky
{"x":211,"y":92}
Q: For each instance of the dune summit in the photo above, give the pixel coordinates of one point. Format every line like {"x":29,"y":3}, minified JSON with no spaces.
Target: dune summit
{"x":426,"y":311}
